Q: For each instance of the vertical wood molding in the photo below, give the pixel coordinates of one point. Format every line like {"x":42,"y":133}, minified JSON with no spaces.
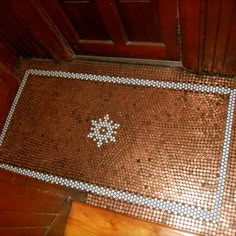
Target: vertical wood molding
{"x":51,"y":38}
{"x":32,"y":14}
{"x":229,"y":61}
{"x":112,"y":20}
{"x":220,"y":37}
{"x":192,"y":21}
{"x":18,"y":34}
{"x":61,"y":21}
{"x":212,"y":28}
{"x":169,"y":23}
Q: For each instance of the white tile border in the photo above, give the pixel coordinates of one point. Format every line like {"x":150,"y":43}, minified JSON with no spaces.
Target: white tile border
{"x":174,"y":207}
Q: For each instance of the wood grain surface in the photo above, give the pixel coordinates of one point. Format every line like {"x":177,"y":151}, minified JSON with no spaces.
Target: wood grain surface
{"x":92,"y":221}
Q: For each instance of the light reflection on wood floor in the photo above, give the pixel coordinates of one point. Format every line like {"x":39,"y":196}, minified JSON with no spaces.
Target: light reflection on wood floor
{"x":85,"y":220}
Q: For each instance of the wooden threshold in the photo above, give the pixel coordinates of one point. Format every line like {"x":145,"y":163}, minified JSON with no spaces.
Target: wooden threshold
{"x":92,"y":221}
{"x":131,"y":60}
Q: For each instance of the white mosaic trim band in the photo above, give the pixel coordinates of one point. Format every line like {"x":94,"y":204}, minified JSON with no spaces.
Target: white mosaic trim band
{"x":170,"y":206}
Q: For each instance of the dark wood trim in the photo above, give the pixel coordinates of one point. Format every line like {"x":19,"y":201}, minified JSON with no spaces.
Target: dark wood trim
{"x":225,"y":51}
{"x":192,"y":16}
{"x":36,"y":19}
{"x":212,"y":28}
{"x":8,"y":55}
{"x":169,"y":23}
{"x":61,"y":21}
{"x":112,"y":21}
{"x":220,"y":37}
{"x":17,"y":33}
{"x":119,"y":50}
{"x":58,"y":225}
{"x":126,"y":60}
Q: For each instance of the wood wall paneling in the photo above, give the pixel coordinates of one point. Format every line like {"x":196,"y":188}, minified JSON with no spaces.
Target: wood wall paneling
{"x":38,"y":30}
{"x":230,"y":53}
{"x":192,"y":21}
{"x":120,"y":28}
{"x":220,"y":50}
{"x":17,"y":34}
{"x":141,"y":29}
{"x":224,"y":37}
{"x":218,"y":40}
{"x":212,"y":26}
{"x":62,"y":22}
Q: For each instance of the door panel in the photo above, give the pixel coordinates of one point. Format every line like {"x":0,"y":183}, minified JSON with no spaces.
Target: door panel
{"x":141,"y":20}
{"x":85,"y":17}
{"x":125,"y":28}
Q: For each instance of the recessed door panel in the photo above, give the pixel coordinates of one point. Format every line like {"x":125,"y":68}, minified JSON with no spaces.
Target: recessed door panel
{"x":125,"y":28}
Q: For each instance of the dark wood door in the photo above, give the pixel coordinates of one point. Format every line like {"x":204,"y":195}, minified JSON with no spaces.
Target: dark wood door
{"x":125,"y":28}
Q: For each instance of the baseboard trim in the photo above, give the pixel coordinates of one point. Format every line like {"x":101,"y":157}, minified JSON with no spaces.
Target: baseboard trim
{"x":131,"y":60}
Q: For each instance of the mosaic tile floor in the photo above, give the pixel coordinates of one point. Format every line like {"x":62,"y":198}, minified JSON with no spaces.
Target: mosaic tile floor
{"x":155,"y":143}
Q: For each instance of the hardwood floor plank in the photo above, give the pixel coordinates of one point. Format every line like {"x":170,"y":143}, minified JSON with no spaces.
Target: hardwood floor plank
{"x":58,"y":226}
{"x":23,"y":219}
{"x":23,"y":232}
{"x":39,"y":205}
{"x":28,"y":191}
{"x":92,"y":221}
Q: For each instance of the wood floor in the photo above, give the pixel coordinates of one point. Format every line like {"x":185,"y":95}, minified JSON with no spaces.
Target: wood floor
{"x":33,"y":207}
{"x":85,"y":220}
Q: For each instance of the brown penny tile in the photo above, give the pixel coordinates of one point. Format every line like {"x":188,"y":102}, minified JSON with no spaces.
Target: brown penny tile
{"x":168,"y":145}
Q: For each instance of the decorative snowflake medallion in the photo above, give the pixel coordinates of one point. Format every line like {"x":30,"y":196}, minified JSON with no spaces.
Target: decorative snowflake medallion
{"x":103,"y":131}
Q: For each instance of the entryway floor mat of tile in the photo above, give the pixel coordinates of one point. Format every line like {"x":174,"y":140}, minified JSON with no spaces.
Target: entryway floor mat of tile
{"x":152,"y":142}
